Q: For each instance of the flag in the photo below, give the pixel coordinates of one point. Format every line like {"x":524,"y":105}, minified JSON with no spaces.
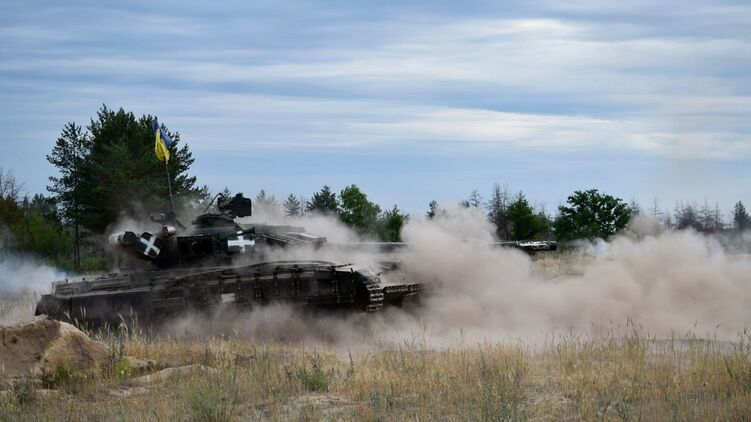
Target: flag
{"x":163,"y":142}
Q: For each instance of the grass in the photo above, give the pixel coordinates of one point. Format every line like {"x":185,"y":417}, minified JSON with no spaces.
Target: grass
{"x":606,"y":377}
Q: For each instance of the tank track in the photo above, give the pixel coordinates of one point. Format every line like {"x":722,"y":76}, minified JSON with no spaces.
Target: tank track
{"x":375,"y":294}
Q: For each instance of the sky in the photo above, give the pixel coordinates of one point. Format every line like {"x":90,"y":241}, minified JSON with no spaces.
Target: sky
{"x":411,"y":101}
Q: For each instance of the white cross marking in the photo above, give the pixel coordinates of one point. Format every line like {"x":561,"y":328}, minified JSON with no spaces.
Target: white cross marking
{"x":240,"y":242}
{"x":149,"y":245}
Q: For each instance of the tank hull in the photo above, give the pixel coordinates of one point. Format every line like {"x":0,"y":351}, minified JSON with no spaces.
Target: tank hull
{"x":154,"y":295}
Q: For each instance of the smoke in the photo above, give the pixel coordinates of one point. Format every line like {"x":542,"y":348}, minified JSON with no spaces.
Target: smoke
{"x":20,"y":273}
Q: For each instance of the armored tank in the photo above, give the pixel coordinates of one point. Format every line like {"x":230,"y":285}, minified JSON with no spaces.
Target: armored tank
{"x":218,"y":261}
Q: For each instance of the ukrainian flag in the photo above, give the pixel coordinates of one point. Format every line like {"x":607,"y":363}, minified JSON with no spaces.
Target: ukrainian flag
{"x":163,"y":142}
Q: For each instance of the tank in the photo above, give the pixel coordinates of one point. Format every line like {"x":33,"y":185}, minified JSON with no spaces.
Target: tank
{"x":217,"y":261}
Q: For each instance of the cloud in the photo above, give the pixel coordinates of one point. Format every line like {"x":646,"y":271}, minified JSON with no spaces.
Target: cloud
{"x":667,"y":81}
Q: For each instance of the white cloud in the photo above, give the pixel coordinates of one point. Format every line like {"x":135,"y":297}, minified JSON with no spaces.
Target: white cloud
{"x":474,"y":81}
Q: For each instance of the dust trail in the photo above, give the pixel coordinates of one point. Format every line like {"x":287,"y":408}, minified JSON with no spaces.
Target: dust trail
{"x":665,"y":281}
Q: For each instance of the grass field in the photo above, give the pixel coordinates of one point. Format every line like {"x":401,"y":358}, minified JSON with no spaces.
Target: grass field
{"x":623,"y":375}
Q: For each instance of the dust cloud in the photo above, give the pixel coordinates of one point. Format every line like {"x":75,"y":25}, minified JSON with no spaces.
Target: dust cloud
{"x":22,"y":280}
{"x":665,"y":282}
{"x":19,"y":273}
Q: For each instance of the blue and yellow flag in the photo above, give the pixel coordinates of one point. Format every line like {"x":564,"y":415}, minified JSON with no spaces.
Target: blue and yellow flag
{"x":163,"y":142}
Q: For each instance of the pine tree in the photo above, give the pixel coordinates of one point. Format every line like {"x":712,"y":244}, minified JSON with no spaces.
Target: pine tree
{"x":266,"y":203}
{"x":69,"y":156}
{"x":292,"y":206}
{"x":120,"y":175}
{"x":323,"y":202}
{"x":264,"y":199}
{"x":523,"y":223}
{"x":433,"y":210}
{"x":741,"y":219}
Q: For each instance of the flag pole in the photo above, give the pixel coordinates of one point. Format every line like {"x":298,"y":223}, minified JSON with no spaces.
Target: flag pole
{"x":169,"y":187}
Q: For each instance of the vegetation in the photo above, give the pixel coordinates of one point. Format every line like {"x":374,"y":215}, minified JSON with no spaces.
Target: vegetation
{"x":741,"y":219}
{"x":98,"y":167}
{"x":116,"y":162}
{"x":524,"y":224}
{"x":497,"y":208}
{"x":433,"y":210}
{"x":391,"y":223}
{"x":591,"y":215}
{"x":293,"y":206}
{"x":32,"y":225}
{"x":357,"y":211}
{"x":324,"y":202}
{"x":264,"y":200}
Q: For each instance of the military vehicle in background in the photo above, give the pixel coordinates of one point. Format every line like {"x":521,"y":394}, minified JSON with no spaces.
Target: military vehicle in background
{"x":217,"y":260}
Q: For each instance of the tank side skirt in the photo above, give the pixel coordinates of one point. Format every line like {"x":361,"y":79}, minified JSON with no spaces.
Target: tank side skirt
{"x":282,"y":283}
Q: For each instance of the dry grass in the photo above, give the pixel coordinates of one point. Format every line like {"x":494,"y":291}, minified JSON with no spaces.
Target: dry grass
{"x":549,"y":265}
{"x":618,"y":378}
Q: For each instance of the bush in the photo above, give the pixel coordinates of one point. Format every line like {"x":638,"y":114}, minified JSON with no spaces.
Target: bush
{"x":315,"y":378}
{"x":214,"y":399}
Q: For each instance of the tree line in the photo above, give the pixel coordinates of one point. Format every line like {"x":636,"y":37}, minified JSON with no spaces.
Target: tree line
{"x":351,"y":206}
{"x":107,"y":170}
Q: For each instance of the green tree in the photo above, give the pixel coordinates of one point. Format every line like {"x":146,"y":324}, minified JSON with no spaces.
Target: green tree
{"x":69,"y":156}
{"x":391,"y":223}
{"x":36,"y":235}
{"x":32,"y":225}
{"x":433,"y":210}
{"x":590,"y":215}
{"x":44,"y":206}
{"x":356,"y":211}
{"x":292,"y":206}
{"x":741,"y":219}
{"x":323,"y":202}
{"x":121,"y":175}
{"x":524,"y":224}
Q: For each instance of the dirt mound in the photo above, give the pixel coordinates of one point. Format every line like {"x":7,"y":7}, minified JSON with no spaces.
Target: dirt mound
{"x":42,"y":345}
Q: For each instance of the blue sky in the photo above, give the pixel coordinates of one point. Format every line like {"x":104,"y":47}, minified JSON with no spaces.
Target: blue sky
{"x":412,"y":101}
